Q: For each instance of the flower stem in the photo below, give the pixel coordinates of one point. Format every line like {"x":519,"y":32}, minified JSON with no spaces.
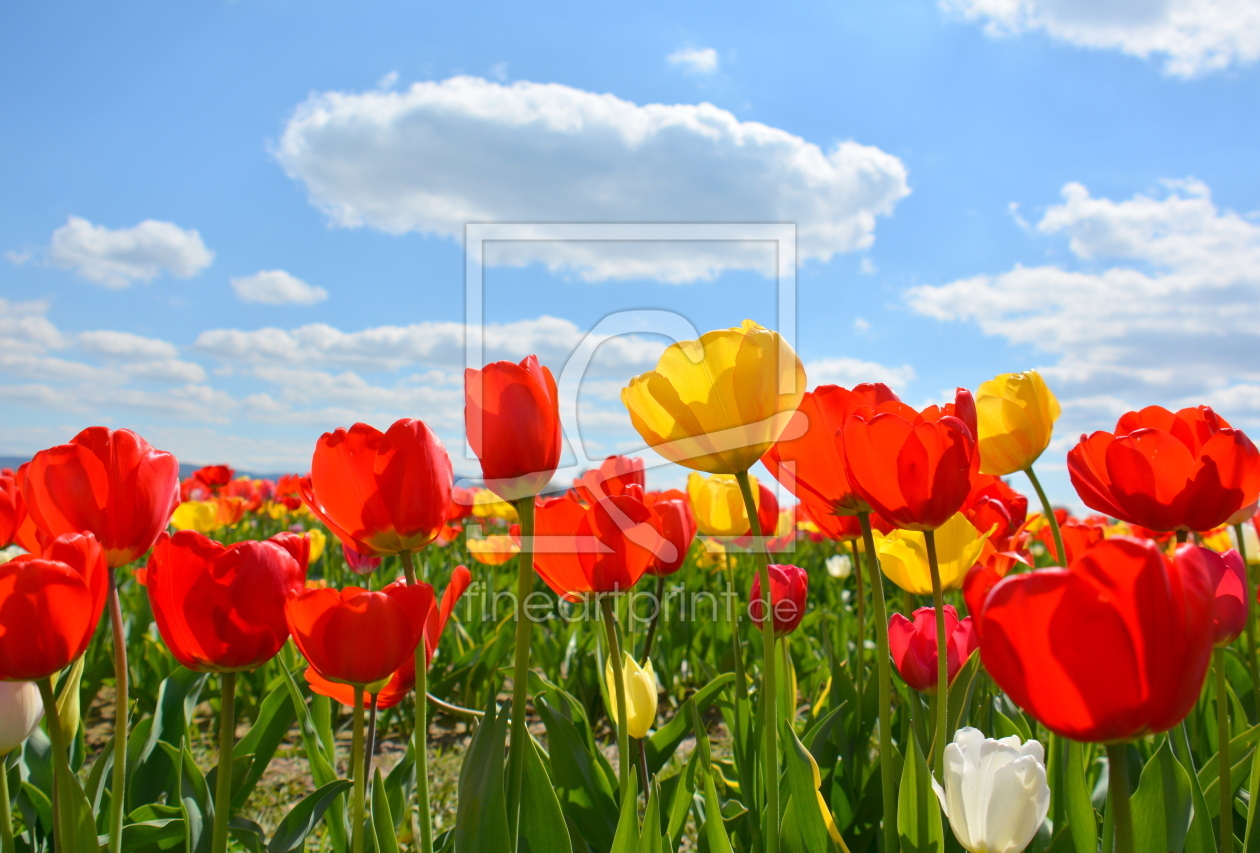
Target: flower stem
{"x":942,"y":656}
{"x":63,"y":838}
{"x":769,"y":692}
{"x":520,"y":673}
{"x":643,"y":771}
{"x":7,"y":844}
{"x":356,"y":772}
{"x":223,"y":785}
{"x":889,"y":784}
{"x":1118,"y":797}
{"x":656,"y":618}
{"x":1249,"y":577}
{"x":1222,"y":759}
{"x":420,"y":735}
{"x":859,"y":670}
{"x":118,"y":792}
{"x":369,"y":740}
{"x":1051,"y":518}
{"x":619,"y":683}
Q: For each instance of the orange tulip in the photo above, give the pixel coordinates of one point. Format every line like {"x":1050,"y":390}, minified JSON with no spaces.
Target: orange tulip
{"x":604,"y":548}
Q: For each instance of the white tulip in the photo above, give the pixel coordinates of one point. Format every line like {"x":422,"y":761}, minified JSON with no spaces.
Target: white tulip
{"x":20,"y":712}
{"x":995,"y":794}
{"x":839,"y":566}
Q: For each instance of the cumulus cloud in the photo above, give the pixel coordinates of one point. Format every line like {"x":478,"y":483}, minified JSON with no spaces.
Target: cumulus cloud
{"x":700,"y":60}
{"x":1162,"y":305}
{"x":442,"y":154}
{"x":124,"y":345}
{"x":277,"y":287}
{"x":1193,"y":37}
{"x":853,"y":371}
{"x":119,"y":257}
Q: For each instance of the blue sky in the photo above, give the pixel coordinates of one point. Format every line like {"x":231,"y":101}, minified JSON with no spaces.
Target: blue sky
{"x":979,"y":186}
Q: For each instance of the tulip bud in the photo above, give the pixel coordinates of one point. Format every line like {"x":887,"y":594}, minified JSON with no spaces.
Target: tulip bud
{"x":1228,"y":577}
{"x":20,"y":712}
{"x":640,"y":685}
{"x":995,"y":793}
{"x":839,"y":566}
{"x":1016,"y":414}
{"x":360,"y":564}
{"x":789,"y":586}
{"x":913,"y":646}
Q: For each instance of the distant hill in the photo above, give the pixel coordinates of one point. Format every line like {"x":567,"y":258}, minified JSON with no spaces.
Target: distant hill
{"x":185,"y":470}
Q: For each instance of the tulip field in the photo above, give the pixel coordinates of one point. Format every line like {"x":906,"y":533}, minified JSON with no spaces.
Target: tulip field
{"x":917,"y":653}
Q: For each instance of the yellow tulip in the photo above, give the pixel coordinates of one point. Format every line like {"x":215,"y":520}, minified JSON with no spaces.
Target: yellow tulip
{"x":486,"y":504}
{"x":201,"y":516}
{"x":319,"y":541}
{"x":718,"y":504}
{"x":640,"y":695}
{"x":275,"y":509}
{"x":494,"y":550}
{"x":1015,"y":414}
{"x":712,"y":555}
{"x":719,"y":403}
{"x":1218,"y":539}
{"x":903,"y":555}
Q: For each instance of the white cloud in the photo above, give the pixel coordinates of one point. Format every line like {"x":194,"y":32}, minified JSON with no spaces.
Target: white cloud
{"x":1193,"y":37}
{"x":24,"y":328}
{"x":277,"y":287}
{"x":117,"y":258}
{"x":699,"y":60}
{"x":1165,"y":306}
{"x":124,"y":345}
{"x":852,"y":371}
{"x":441,"y":154}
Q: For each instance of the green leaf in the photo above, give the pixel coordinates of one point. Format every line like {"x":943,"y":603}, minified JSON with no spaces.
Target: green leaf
{"x":627,"y":838}
{"x":164,"y":834}
{"x":275,"y":718}
{"x":681,"y":798}
{"x":582,"y":788}
{"x":382,"y":820}
{"x":321,"y":764}
{"x":1161,"y":805}
{"x":248,"y":833}
{"x":714,"y":828}
{"x":290,"y":835}
{"x":1238,"y":745}
{"x":665,"y":740}
{"x":960,"y":690}
{"x":1082,"y":819}
{"x":1211,"y":791}
{"x":1199,"y":838}
{"x":152,"y":772}
{"x":481,"y":822}
{"x":809,"y":819}
{"x":400,"y":782}
{"x":543,"y":829}
{"x":194,"y":798}
{"x":1251,"y":842}
{"x":918,"y":809}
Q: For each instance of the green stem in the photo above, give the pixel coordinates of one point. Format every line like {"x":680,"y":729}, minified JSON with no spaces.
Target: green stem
{"x":356,"y":771}
{"x":223,"y":785}
{"x":643,"y":771}
{"x":420,"y":739}
{"x":6,"y":818}
{"x":1252,"y":654}
{"x":1222,"y":759}
{"x":1182,"y":536}
{"x":740,"y":687}
{"x":369,"y":741}
{"x":768,"y":688}
{"x":63,"y":837}
{"x":1118,"y":797}
{"x":942,"y":655}
{"x":619,"y":685}
{"x":1051,"y":518}
{"x":889,"y":784}
{"x":520,"y":673}
{"x":859,"y":670}
{"x":118,"y":793}
{"x":656,"y":618}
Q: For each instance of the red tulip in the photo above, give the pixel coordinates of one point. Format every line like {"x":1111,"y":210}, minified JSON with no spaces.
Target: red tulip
{"x":358,"y":563}
{"x":359,"y":637}
{"x":811,"y":465}
{"x":994,"y":505}
{"x":913,"y":646}
{"x":221,"y":609}
{"x":110,"y":483}
{"x":253,"y":493}
{"x":672,"y":516}
{"x":287,"y":490}
{"x":1227,"y":574}
{"x":50,"y":605}
{"x":380,"y":492}
{"x":604,"y":548}
{"x":1165,"y":471}
{"x":1114,"y":647}
{"x":12,"y":509}
{"x":512,"y":417}
{"x":789,"y":587}
{"x":913,"y":468}
{"x":461,"y":503}
{"x":214,"y":477}
{"x":1078,"y":537}
{"x":611,"y":479}
{"x":404,"y":678}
